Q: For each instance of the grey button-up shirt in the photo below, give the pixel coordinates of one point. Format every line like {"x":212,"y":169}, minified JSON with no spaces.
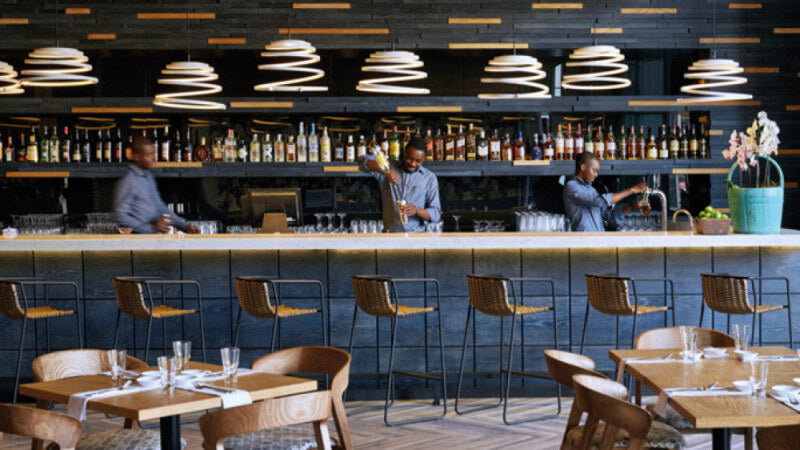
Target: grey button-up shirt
{"x":586,"y":208}
{"x":419,"y":188}
{"x":137,"y":203}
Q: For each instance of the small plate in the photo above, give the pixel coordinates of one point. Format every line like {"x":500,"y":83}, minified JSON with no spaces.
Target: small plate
{"x":149,"y":381}
{"x":715,"y":355}
{"x":192,"y":372}
{"x":743,"y":385}
{"x":785,"y":389}
{"x":714,"y":350}
{"x":796,"y":380}
{"x":151,"y":373}
{"x":746,"y":356}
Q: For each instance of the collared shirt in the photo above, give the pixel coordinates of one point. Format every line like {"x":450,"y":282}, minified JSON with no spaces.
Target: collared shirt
{"x":586,"y":208}
{"x":419,"y":188}
{"x":137,"y":203}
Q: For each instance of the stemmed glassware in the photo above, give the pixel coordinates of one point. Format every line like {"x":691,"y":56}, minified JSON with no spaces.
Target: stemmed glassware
{"x":341,"y":228}
{"x":456,"y":227}
{"x":330,"y":217}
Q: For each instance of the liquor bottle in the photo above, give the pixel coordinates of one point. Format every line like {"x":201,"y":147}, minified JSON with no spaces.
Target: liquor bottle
{"x":588,"y":144}
{"x":428,"y":145}
{"x":33,"y":147}
{"x":350,"y":149}
{"x":693,"y":144}
{"x":569,"y":144}
{"x":65,"y":147}
{"x":642,"y":143}
{"x":471,"y":144}
{"x":338,"y":148}
{"x":482,"y":153}
{"x":548,"y":151}
{"x":385,"y":143}
{"x":622,"y":144}
{"x":202,"y":152}
{"x":560,"y":150}
{"x":291,"y":149}
{"x":450,"y":146}
{"x":599,"y":143}
{"x":536,"y":149}
{"x":652,"y":148}
{"x":461,"y":144}
{"x":268,"y":150}
{"x":703,"y":147}
{"x":611,"y":144}
{"x":406,"y":139}
{"x":632,"y":144}
{"x":361,"y":148}
{"x":663,"y":144}
{"x":280,"y":149}
{"x":55,"y":146}
{"x":229,"y":149}
{"x":218,"y":150}
{"x":98,"y":146}
{"x":77,"y":147}
{"x":187,"y":146}
{"x":156,"y":142}
{"x":519,"y":148}
{"x":166,"y":145}
{"x":313,"y":144}
{"x":302,"y":144}
{"x":494,"y":147}
{"x":44,"y":146}
{"x":373,"y":147}
{"x":325,"y":146}
{"x":674,"y":144}
{"x":177,"y":149}
{"x":255,"y":148}
{"x":438,"y":146}
{"x":129,"y":148}
{"x":22,"y":149}
{"x":9,"y":151}
{"x":394,"y":144}
{"x":684,"y":143}
{"x":107,"y":145}
{"x":578,"y":141}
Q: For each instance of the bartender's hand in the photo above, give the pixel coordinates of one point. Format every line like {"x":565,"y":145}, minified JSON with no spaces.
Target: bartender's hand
{"x":393,"y":178}
{"x":191,"y":229}
{"x":639,"y":188}
{"x":410,"y":210}
{"x":161,"y":225}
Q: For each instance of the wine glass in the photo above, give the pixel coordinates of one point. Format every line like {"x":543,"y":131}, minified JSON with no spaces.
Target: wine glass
{"x":342,"y":215}
{"x":455,"y":219}
{"x":319,"y":220}
{"x":330,"y":217}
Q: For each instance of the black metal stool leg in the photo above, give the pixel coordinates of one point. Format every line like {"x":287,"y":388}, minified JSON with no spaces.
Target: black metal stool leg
{"x":116,"y":330}
{"x":441,"y":353}
{"x":390,"y":381}
{"x":19,"y":361}
{"x":585,"y":320}
{"x":236,"y":330}
{"x":463,"y":357}
{"x":147,"y":341}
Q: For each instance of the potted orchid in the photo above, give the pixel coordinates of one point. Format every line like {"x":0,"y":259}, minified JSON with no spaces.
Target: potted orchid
{"x":757,"y":208}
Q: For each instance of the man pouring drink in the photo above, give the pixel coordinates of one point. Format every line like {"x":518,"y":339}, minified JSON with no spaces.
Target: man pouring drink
{"x":409,"y":192}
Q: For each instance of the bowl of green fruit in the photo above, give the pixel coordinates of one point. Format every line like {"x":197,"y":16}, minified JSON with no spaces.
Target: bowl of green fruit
{"x":711,"y":221}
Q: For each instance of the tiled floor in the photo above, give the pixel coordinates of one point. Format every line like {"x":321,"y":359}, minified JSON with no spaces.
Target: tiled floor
{"x":479,"y":430}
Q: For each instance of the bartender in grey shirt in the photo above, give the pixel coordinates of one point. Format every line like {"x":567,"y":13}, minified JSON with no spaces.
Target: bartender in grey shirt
{"x":137,"y":203}
{"x":584,"y":206}
{"x":408,"y":181}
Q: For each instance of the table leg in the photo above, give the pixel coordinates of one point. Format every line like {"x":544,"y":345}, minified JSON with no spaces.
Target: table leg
{"x":171,"y":433}
{"x":721,"y":439}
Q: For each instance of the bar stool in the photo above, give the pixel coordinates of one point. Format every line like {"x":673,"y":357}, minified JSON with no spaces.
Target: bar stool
{"x":131,"y":292}
{"x":254,"y":298}
{"x":609,"y":294}
{"x":11,"y":290}
{"x":489,"y":295}
{"x":378,"y":297}
{"x":728,"y":294}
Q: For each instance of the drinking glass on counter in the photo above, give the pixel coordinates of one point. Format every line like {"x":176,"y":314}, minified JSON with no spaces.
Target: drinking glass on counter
{"x":740,"y":334}
{"x":116,"y":361}
{"x":230,"y":363}
{"x":541,"y":222}
{"x":688,"y":342}
{"x":206,"y":226}
{"x":183,"y":353}
{"x":168,"y":370}
{"x":758,"y":378}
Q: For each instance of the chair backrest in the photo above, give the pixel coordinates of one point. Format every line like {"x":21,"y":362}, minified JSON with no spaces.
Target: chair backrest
{"x":609,"y":294}
{"x":372,"y":295}
{"x":489,"y":295}
{"x":322,"y":360}
{"x":562,"y":366}
{"x":726,"y":293}
{"x":606,"y":401}
{"x":73,"y":363}
{"x":130,"y":297}
{"x":778,"y":438}
{"x":254,"y":297}
{"x":9,"y":300}
{"x":40,"y":424}
{"x":670,"y":337}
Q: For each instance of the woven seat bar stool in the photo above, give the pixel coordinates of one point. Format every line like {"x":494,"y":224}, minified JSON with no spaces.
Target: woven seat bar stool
{"x":255,"y":299}
{"x":610,"y":294}
{"x":729,"y":294}
{"x":11,"y":291}
{"x":489,"y":295}
{"x":135,"y":299}
{"x":378,"y":297}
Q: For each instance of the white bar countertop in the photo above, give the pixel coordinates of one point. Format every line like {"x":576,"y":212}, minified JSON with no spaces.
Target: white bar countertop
{"x":394,"y":241}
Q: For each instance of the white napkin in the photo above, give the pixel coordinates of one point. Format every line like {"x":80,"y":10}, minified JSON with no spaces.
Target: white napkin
{"x":661,"y":404}
{"x":776,"y":358}
{"x":76,"y":406}
{"x":785,"y":400}
{"x":230,"y":399}
{"x":625,"y":361}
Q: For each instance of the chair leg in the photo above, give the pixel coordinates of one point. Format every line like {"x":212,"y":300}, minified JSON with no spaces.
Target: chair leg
{"x":116,"y":330}
{"x":444,"y":369}
{"x":507,"y":391}
{"x":789,"y":316}
{"x":47,"y":334}
{"x":202,"y":331}
{"x":236,"y":329}
{"x":616,"y":332}
{"x":633,"y":331}
{"x":390,"y":381}
{"x":147,"y":340}
{"x":585,"y":320}
{"x":19,"y":361}
{"x":463,"y":355}
{"x":164,"y":336}
{"x":753,"y":329}
{"x":702,"y":311}
{"x":274,"y":333}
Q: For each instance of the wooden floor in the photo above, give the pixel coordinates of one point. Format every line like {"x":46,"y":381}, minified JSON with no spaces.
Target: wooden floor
{"x":479,"y":430}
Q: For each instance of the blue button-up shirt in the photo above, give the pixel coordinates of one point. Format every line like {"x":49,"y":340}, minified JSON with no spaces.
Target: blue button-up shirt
{"x":419,"y":188}
{"x":137,"y":203}
{"x":586,"y":208}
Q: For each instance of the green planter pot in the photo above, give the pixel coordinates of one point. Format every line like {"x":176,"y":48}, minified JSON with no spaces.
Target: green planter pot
{"x":756,"y":210}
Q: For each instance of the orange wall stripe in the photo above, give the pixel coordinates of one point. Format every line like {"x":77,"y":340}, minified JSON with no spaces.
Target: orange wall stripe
{"x":606,"y":30}
{"x":731,"y":40}
{"x":78,"y":11}
{"x":37,"y":174}
{"x":227,"y":40}
{"x":715,"y":132}
{"x":790,"y":185}
{"x":334,"y":30}
{"x":173,"y":16}
{"x":107,"y":109}
{"x":557,"y":6}
{"x":762,"y":69}
{"x":473,"y":20}
{"x":793,"y":107}
{"x":744,"y":6}
{"x":101,"y":36}
{"x":648,"y":10}
{"x":486,"y":45}
{"x":14,"y":21}
{"x":786,"y":30}
{"x":429,"y":109}
{"x":653,"y":103}
{"x":789,"y":151}
{"x":262,"y":104}
{"x":321,"y":5}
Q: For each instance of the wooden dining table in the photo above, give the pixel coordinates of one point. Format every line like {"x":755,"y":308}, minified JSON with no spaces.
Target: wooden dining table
{"x":157,"y":404}
{"x":718,"y":413}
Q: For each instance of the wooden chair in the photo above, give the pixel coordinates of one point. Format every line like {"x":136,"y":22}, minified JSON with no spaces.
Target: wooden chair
{"x":12,"y":290}
{"x":131,"y":292}
{"x":778,"y":438}
{"x":490,"y":295}
{"x":670,"y":337}
{"x":610,"y":294}
{"x":40,"y":425}
{"x":266,"y":422}
{"x":729,"y":294}
{"x":612,"y":422}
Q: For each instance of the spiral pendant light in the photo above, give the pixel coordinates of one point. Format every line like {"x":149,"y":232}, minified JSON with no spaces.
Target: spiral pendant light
{"x":597,"y":56}
{"x":304,"y":55}
{"x":193,"y":75}
{"x":57,"y":67}
{"x":402,"y":64}
{"x":9,"y":84}
{"x":517,"y":63}
{"x":712,"y":74}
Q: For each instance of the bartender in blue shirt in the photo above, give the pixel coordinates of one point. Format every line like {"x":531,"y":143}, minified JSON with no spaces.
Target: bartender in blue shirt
{"x":584,"y":206}
{"x":408,"y":181}
{"x":137,"y":203}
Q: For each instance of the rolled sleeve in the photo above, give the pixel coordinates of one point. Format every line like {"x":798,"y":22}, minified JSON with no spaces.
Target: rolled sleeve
{"x":362,"y":165}
{"x":587,"y":197}
{"x":432,"y":203}
{"x":124,"y":207}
